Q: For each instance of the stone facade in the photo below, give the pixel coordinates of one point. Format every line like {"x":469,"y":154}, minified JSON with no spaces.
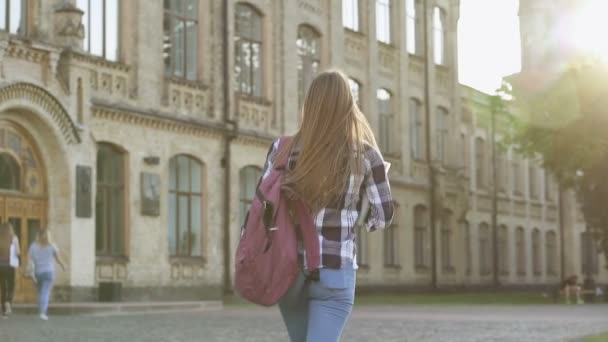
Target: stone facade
{"x":71,"y":102}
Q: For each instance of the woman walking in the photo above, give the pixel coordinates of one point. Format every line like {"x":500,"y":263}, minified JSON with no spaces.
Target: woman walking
{"x":43,"y":254}
{"x":6,"y":240}
{"x":334,"y":165}
{"x":15,"y":255}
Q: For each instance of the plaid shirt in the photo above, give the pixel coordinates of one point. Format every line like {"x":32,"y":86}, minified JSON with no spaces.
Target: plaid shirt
{"x":336,"y":226}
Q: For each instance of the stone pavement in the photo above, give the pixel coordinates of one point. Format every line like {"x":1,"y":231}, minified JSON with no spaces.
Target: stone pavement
{"x":368,"y":323}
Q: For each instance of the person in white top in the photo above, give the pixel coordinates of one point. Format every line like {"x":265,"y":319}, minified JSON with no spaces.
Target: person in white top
{"x":15,"y":254}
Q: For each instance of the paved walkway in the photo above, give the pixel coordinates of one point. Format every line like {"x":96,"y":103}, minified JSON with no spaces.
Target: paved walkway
{"x":368,"y":323}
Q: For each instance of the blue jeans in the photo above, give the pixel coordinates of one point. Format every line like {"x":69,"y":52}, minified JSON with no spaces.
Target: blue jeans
{"x":44,"y":283}
{"x":317,"y":311}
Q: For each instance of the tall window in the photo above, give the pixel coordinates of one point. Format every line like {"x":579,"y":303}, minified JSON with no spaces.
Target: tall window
{"x":532,"y":181}
{"x":416,"y":129}
{"x":551,"y":252}
{"x":464,"y":153}
{"x":485,"y":250}
{"x":480,"y":163}
{"x":383,"y":21}
{"x":501,"y":166}
{"x":180,"y":40}
{"x":387,"y":121}
{"x":446,"y":241}
{"x":391,"y":242}
{"x":439,"y":34}
{"x":249,"y":176}
{"x":520,"y":248}
{"x":248,"y":50}
{"x":516,"y":175}
{"x":503,"y":250}
{"x":468,"y":255}
{"x":414,"y":26}
{"x":100,"y":20}
{"x":421,"y":259}
{"x":536,"y":264}
{"x":13,"y":16}
{"x":355,"y":88}
{"x":548,"y":186}
{"x":309,"y":51}
{"x":442,"y":134}
{"x":185,"y":206}
{"x":589,"y":257}
{"x":361,"y":240}
{"x":350,"y":14}
{"x":110,"y":201}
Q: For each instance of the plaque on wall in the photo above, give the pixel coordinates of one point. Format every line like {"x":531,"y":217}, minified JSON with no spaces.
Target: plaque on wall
{"x":83,"y":191}
{"x":150,"y":194}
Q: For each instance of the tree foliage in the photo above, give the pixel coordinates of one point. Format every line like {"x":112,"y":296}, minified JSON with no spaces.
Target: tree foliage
{"x":565,"y":121}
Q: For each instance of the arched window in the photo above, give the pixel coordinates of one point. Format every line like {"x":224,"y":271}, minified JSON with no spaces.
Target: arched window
{"x":249,"y":177}
{"x":551,"y":250}
{"x":391,"y":241}
{"x":110,"y":203}
{"x":468,"y":255}
{"x":485,"y":250}
{"x":414,"y":26}
{"x":443,"y":129}
{"x":10,"y":173}
{"x":355,"y":88}
{"x":520,"y":248}
{"x":446,"y":241}
{"x":421,"y":219}
{"x":350,"y":14}
{"x":101,"y":25}
{"x":416,"y":129}
{"x":503,"y":250}
{"x":480,"y":163}
{"x":248,"y":64}
{"x":180,"y":39}
{"x":387,"y":121}
{"x":185,"y":206}
{"x":439,"y":36}
{"x":13,"y":16}
{"x":383,"y":21}
{"x":536,"y":253}
{"x":309,"y":51}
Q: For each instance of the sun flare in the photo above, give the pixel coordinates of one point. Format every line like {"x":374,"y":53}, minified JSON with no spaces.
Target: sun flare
{"x":588,"y":29}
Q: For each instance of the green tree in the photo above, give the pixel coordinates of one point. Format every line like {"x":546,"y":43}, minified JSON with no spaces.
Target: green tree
{"x":565,"y":120}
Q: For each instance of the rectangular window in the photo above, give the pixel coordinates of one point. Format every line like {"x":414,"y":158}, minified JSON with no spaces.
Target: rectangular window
{"x":532,"y":180}
{"x":480,"y":163}
{"x":13,"y":16}
{"x":101,"y":27}
{"x":516,"y":176}
{"x":416,"y":130}
{"x":383,"y":21}
{"x":248,"y":51}
{"x":420,"y":237}
{"x":110,"y":202}
{"x":446,"y":243}
{"x":442,"y":135}
{"x":520,"y":247}
{"x":180,"y":40}
{"x":439,"y":35}
{"x":390,"y":246}
{"x":387,"y":123}
{"x":410,"y":26}
{"x":350,"y":14}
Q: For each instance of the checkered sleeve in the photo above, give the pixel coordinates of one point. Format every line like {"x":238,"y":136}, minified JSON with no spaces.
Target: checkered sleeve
{"x":378,"y":191}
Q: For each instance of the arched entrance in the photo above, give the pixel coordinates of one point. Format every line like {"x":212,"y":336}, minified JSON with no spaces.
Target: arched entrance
{"x":23,"y":194}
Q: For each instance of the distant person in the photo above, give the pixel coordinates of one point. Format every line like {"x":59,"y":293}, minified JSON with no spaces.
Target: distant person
{"x":43,"y":254}
{"x":569,"y":285}
{"x":334,"y":166}
{"x":15,"y":255}
{"x":6,"y":240}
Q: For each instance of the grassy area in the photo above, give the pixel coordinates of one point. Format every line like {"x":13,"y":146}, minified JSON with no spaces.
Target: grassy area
{"x":442,"y":299}
{"x":597,"y":338}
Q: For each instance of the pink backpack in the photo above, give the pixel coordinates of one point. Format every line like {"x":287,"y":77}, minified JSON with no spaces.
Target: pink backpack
{"x":267,"y":257}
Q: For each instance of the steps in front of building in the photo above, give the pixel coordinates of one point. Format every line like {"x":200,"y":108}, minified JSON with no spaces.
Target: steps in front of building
{"x":119,"y":308}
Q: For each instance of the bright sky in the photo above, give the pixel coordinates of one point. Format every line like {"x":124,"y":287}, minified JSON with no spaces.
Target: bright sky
{"x":488,"y":39}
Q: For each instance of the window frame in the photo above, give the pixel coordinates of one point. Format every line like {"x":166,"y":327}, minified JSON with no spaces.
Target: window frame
{"x":313,"y":34}
{"x":417,"y":132}
{"x":189,"y":195}
{"x":503,"y":250}
{"x":88,"y":30}
{"x":421,"y":218}
{"x":443,"y":133}
{"x":386,"y":28}
{"x":104,"y":188}
{"x":439,"y":31}
{"x":480,"y":163}
{"x":485,"y":250}
{"x":170,"y":15}
{"x":244,"y":200}
{"x":250,"y":41}
{"x":520,"y":250}
{"x":536,"y":252}
{"x":22,"y":29}
{"x":447,"y":264}
{"x":353,"y":24}
{"x":551,"y":252}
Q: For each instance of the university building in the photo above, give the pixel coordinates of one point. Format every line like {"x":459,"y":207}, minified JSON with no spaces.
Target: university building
{"x":136,"y":132}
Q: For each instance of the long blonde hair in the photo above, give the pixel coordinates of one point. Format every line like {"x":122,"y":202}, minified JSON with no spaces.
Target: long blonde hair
{"x":6,"y":238}
{"x":44,"y":237}
{"x":331,"y":139}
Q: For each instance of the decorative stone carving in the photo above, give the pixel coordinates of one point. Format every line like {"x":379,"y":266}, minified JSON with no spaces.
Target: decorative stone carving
{"x":416,"y":70}
{"x":69,"y":30}
{"x":188,"y":98}
{"x":313,"y":6}
{"x":254,"y":115}
{"x":48,"y":103}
